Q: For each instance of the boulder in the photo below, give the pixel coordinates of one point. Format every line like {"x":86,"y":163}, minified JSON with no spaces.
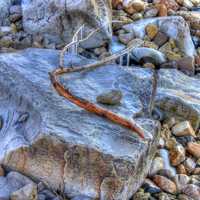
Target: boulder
{"x":4,"y":12}
{"x":174,"y":27}
{"x":178,"y":95}
{"x":57,"y":21}
{"x":46,"y":137}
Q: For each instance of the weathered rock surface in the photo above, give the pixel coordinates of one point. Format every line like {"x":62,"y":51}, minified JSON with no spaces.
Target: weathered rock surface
{"x":48,"y":138}
{"x":11,"y":183}
{"x":178,"y":94}
{"x":57,"y":21}
{"x":4,"y":12}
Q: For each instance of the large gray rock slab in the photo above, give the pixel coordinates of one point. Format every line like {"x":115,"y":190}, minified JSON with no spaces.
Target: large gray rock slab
{"x":174,"y":27}
{"x":179,"y":95}
{"x":4,"y":12}
{"x":57,"y":21}
{"x":48,"y":138}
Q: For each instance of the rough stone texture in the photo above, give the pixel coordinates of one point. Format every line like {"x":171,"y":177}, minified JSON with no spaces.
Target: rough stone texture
{"x":178,"y":94}
{"x":45,"y":136}
{"x":4,"y":12}
{"x":28,"y":192}
{"x":11,"y":183}
{"x":174,"y":27}
{"x":57,"y":21}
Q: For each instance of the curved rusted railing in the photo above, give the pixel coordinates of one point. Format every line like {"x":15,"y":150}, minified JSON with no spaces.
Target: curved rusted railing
{"x":85,"y":104}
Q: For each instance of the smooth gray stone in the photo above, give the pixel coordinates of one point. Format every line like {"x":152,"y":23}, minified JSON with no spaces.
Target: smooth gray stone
{"x":54,"y":141}
{"x":178,"y":95}
{"x":57,"y":21}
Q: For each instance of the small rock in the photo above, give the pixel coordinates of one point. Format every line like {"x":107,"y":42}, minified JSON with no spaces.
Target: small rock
{"x":156,"y":166}
{"x":162,"y":10}
{"x":166,"y":47}
{"x":153,"y":12}
{"x":2,"y":173}
{"x":183,"y":129}
{"x":110,"y":98}
{"x":184,"y":140}
{"x":137,"y":42}
{"x":170,"y":4}
{"x":167,"y":173}
{"x":189,"y":164}
{"x":141,"y":196}
{"x":177,"y":155}
{"x":100,"y":50}
{"x":160,"y":39}
{"x":140,"y":53}
{"x":187,"y":4}
{"x":150,"y":187}
{"x":150,"y":45}
{"x":192,"y":191}
{"x":187,"y":65}
{"x":130,"y":10}
{"x":149,"y":65}
{"x":151,"y":30}
{"x":171,"y":143}
{"x":161,"y":143}
{"x":28,"y":192}
{"x":162,"y":196}
{"x":184,"y":197}
{"x":194,"y":149}
{"x":138,"y":5}
{"x":196,"y":171}
{"x":125,"y":38}
{"x":181,"y":180}
{"x":165,"y":184}
{"x":181,"y":169}
{"x":172,"y":56}
{"x":170,"y":122}
{"x":195,"y":179}
{"x":136,"y":16}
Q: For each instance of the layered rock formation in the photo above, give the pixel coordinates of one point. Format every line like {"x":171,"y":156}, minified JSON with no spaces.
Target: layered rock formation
{"x":46,"y":137}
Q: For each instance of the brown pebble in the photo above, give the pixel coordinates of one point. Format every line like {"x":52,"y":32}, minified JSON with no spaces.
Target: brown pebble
{"x":194,"y":149}
{"x":162,"y":10}
{"x":181,"y":169}
{"x":165,"y":184}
